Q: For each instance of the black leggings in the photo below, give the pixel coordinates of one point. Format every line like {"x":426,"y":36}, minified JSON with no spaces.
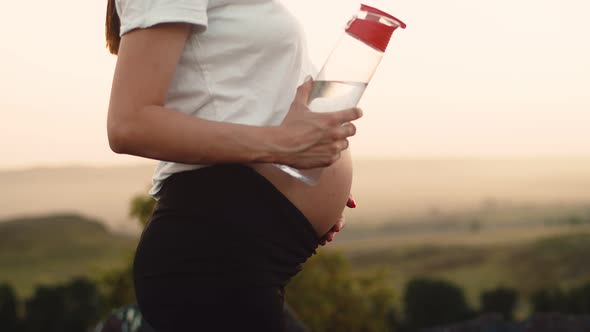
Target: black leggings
{"x":219,"y":248}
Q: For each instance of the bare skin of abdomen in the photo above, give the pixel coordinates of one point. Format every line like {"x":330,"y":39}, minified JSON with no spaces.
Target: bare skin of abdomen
{"x":322,"y":204}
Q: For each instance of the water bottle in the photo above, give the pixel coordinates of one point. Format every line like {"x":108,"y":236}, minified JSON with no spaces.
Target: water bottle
{"x":348,"y":70}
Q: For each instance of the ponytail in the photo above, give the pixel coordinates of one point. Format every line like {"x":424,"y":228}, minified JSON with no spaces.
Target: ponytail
{"x":112,"y":28}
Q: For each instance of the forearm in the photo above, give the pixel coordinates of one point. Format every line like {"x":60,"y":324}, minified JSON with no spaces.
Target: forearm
{"x":163,"y":134}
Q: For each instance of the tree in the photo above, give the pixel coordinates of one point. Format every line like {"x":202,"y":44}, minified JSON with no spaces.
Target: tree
{"x":430,"y":303}
{"x":71,"y":307}
{"x":117,"y":287}
{"x":45,"y":310}
{"x":579,"y":300}
{"x":328,"y":296}
{"x":142,"y":207}
{"x":500,"y":300}
{"x":8,"y":315}
{"x":549,"y":300}
{"x":83,"y":304}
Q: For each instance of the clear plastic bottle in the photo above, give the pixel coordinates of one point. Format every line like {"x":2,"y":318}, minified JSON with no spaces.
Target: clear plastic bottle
{"x":348,"y":70}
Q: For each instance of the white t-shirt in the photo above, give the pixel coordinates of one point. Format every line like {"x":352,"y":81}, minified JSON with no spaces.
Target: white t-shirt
{"x":242,"y":63}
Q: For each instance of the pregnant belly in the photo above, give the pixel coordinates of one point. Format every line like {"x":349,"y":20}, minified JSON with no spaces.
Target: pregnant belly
{"x":323,"y":203}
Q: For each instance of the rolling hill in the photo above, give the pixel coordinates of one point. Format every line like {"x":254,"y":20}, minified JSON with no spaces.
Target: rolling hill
{"x":55,"y":248}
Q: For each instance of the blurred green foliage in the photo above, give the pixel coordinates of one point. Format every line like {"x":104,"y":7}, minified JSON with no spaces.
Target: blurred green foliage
{"x":142,"y":207}
{"x":429,"y":303}
{"x":8,"y":308}
{"x":559,"y":260}
{"x":501,"y":300}
{"x":117,"y":287}
{"x":579,"y":299}
{"x":328,"y":296}
{"x":575,"y":300}
{"x":73,"y":306}
{"x":549,"y":300}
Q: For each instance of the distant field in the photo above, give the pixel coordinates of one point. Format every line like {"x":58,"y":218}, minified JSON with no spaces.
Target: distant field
{"x":526,"y":247}
{"x":526,"y":260}
{"x":397,"y":191}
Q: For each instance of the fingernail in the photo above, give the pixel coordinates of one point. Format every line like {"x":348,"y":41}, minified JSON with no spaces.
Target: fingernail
{"x":352,"y":201}
{"x":308,"y":78}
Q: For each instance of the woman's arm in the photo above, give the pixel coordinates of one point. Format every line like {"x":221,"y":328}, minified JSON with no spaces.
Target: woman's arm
{"x":139,"y":124}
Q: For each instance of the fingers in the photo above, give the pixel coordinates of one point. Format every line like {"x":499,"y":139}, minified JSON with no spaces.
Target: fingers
{"x":340,"y":225}
{"x":337,"y":140}
{"x":303,"y":92}
{"x":351,"y":203}
{"x":338,"y":146}
{"x":348,"y":129}
{"x":341,"y":117}
{"x":342,"y":132}
{"x":329,"y":237}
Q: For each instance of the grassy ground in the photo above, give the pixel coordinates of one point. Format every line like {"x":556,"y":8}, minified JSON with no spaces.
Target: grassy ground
{"x":53,"y":249}
{"x":522,"y":259}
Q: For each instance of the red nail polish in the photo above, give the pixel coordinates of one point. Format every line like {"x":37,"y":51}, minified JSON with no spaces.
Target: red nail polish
{"x":353,"y":203}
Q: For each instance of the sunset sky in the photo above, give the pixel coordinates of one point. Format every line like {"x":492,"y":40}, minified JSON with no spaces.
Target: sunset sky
{"x":466,"y":78}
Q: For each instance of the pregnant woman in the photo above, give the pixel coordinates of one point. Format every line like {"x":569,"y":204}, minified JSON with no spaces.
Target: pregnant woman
{"x":215,"y":91}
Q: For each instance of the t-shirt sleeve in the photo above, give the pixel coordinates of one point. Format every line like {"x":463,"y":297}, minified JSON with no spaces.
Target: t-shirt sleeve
{"x":136,"y":14}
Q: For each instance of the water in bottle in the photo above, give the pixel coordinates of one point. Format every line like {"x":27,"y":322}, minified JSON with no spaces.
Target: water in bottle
{"x":330,"y":96}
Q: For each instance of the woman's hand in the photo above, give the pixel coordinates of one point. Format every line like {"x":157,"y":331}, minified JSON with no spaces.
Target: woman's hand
{"x":329,"y":237}
{"x":309,"y":139}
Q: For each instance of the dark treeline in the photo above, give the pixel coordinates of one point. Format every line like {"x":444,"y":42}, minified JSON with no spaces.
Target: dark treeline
{"x":73,"y":306}
{"x":328,"y":296}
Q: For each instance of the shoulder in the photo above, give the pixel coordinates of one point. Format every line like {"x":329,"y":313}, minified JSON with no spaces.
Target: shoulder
{"x":137,"y":14}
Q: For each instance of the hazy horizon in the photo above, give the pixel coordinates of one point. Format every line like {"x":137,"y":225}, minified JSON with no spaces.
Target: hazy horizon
{"x":384,"y":190}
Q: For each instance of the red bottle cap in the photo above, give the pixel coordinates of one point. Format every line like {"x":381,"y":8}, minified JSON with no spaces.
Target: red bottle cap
{"x":372,"y":32}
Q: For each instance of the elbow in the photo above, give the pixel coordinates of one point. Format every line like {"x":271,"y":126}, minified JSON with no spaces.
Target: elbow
{"x":120,"y":138}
